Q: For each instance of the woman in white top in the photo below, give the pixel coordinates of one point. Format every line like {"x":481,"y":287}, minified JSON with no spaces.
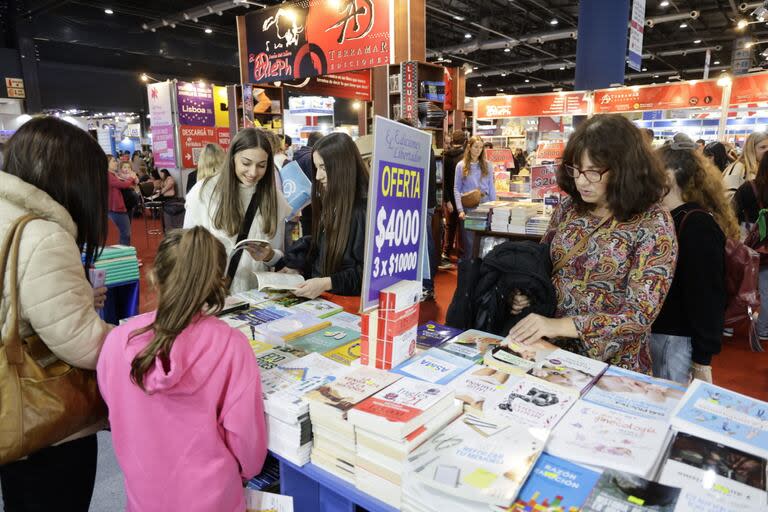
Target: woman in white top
{"x":745,"y":168}
{"x":222,"y":202}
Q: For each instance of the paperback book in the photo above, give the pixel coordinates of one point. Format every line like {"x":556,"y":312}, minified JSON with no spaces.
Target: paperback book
{"x":531,"y":402}
{"x":635,"y":393}
{"x":277,"y":281}
{"x":255,"y":297}
{"x":320,"y":308}
{"x":434,"y":365}
{"x":347,"y":320}
{"x":724,"y":416}
{"x":433,"y":334}
{"x":512,"y":357}
{"x":291,"y":327}
{"x":258,"y":316}
{"x":345,"y":354}
{"x":622,"y":492}
{"x":570,"y":370}
{"x":480,"y":342}
{"x":477,"y":384}
{"x":326,"y":339}
{"x":555,"y":485}
{"x":337,"y":397}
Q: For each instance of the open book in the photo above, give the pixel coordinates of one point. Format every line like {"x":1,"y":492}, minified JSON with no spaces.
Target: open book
{"x":277,"y":281}
{"x":256,"y":242}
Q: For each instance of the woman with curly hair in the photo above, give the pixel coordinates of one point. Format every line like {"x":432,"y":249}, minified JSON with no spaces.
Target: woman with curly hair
{"x":689,"y":328}
{"x":612,"y":245}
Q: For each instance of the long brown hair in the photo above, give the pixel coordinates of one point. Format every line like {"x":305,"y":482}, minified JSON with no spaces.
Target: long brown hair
{"x":761,"y":180}
{"x":468,"y":157}
{"x":702,"y":183}
{"x":229,"y":214}
{"x":189,"y":274}
{"x":211,"y":161}
{"x":637,"y":179}
{"x":749,"y":156}
{"x":333,"y":208}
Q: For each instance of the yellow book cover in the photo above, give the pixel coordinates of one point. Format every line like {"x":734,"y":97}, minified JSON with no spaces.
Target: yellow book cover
{"x":345,"y":354}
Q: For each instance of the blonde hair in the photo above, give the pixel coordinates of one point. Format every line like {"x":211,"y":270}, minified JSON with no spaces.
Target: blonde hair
{"x":468,"y":157}
{"x":749,"y":155}
{"x":189,"y":274}
{"x":211,"y":161}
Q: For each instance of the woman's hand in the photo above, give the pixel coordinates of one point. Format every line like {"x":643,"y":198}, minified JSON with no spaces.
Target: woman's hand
{"x":286,"y":270}
{"x":312,"y":288}
{"x":260,"y":253}
{"x":701,"y":372}
{"x":99,"y":297}
{"x":461,"y":215}
{"x":534,"y":327}
{"x":519,"y":303}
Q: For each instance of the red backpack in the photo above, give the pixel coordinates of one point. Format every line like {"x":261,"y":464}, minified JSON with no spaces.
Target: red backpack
{"x":742,"y":269}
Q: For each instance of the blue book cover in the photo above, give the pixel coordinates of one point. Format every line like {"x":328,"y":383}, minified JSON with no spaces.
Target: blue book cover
{"x":297,"y":188}
{"x":432,"y":334}
{"x":435,"y":366}
{"x":723,"y":416}
{"x":258,"y":316}
{"x":555,"y":485}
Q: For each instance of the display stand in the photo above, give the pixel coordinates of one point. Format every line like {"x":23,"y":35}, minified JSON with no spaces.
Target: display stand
{"x":319,"y":491}
{"x":122,"y":302}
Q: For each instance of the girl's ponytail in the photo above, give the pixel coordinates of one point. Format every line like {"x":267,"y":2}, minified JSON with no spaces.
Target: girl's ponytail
{"x":189,"y":274}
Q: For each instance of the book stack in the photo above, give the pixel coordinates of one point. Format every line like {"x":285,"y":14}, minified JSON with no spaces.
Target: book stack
{"x":326,"y":339}
{"x":120,"y":264}
{"x":478,"y":383}
{"x":389,"y":332}
{"x":597,"y":436}
{"x":537,"y":225}
{"x":390,"y":425}
{"x":518,"y":218}
{"x":287,"y":413}
{"x":276,"y":356}
{"x":480,"y":461}
{"x":268,"y":478}
{"x":334,"y":437}
{"x":477,"y":219}
{"x":569,"y":370}
{"x":434,"y":365}
{"x":291,"y":327}
{"x":431,"y":114}
{"x":500,"y":217}
{"x":433,"y":334}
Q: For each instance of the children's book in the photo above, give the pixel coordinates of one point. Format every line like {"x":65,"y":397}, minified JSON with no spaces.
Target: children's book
{"x":433,"y":334}
{"x":723,"y":416}
{"x":326,"y":339}
{"x":635,"y":393}
{"x":555,"y":485}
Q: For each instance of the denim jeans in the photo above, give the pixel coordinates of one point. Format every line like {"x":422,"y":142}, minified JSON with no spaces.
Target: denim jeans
{"x":762,"y":321}
{"x":123,"y":223}
{"x":671,"y":357}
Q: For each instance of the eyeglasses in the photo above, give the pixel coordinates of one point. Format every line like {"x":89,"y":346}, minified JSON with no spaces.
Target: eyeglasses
{"x":591,"y":175}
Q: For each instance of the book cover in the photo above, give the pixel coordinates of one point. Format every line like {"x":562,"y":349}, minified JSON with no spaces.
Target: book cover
{"x":345,"y":354}
{"x":635,"y":393}
{"x":291,"y":327}
{"x":555,"y":485}
{"x":478,"y":340}
{"x":434,"y":366}
{"x":258,"y":316}
{"x":511,"y":357}
{"x":723,"y":478}
{"x":274,"y":357}
{"x":723,"y":416}
{"x":621,"y":492}
{"x":255,"y":297}
{"x":531,"y":402}
{"x":570,"y":370}
{"x":297,"y":188}
{"x":403,"y":401}
{"x":474,"y":386}
{"x":260,"y":347}
{"x":326,"y":339}
{"x":479,"y":459}
{"x":352,"y":388}
{"x":597,"y":436}
{"x":348,"y":320}
{"x":310,"y":367}
{"x":432,"y":334}
{"x":320,"y":308}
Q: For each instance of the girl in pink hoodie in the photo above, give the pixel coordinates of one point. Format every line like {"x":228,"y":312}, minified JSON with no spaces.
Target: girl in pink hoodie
{"x":183,"y":389}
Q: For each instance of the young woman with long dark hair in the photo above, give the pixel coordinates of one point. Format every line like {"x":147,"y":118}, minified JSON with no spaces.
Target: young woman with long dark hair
{"x":55,"y":171}
{"x":612,"y":244}
{"x":332,"y":258}
{"x":240,"y":202}
{"x":689,"y":329}
{"x":183,"y":388}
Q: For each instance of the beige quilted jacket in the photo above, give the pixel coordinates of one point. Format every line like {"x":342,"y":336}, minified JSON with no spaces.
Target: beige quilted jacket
{"x":56,"y":298}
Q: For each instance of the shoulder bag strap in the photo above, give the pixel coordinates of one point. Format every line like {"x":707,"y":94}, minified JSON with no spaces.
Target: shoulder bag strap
{"x":245,"y":228}
{"x":579,"y":247}
{"x":685,"y":218}
{"x":12,"y":341}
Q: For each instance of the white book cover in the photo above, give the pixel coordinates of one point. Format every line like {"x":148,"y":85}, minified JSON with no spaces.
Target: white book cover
{"x":350,"y":389}
{"x":320,"y":308}
{"x":570,"y":370}
{"x":348,"y":320}
{"x":531,"y":402}
{"x":718,"y":477}
{"x":724,"y":416}
{"x":474,"y":386}
{"x":478,"y":459}
{"x":285,"y":385}
{"x":259,"y":501}
{"x":635,"y":393}
{"x":597,"y":436}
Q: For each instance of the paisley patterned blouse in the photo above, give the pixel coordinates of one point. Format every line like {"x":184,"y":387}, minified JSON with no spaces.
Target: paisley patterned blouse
{"x":615,"y":288}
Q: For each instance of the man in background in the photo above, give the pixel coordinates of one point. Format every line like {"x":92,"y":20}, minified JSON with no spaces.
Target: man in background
{"x":451,"y":157}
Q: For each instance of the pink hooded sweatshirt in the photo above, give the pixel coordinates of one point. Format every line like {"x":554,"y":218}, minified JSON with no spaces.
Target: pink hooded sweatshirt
{"x":188,"y":443}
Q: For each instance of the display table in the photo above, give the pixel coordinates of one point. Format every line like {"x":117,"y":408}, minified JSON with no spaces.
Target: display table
{"x":512,"y":236}
{"x":122,"y":302}
{"x":319,"y":491}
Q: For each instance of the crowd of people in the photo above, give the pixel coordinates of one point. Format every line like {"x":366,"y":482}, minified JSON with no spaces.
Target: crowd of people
{"x":637,"y":253}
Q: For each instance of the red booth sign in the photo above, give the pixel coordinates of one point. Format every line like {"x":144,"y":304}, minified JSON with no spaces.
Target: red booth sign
{"x":557,"y":104}
{"x":749,"y":89}
{"x":694,"y":94}
{"x":193,"y":140}
{"x":353,"y":85}
{"x":543,"y":181}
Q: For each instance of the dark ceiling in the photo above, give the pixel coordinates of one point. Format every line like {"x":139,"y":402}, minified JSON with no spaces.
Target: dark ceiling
{"x":541,"y":55}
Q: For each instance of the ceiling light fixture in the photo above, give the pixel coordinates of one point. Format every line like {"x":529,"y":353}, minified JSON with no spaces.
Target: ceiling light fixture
{"x":645,"y":69}
{"x":553,"y":21}
{"x":717,"y":62}
{"x":503,"y":74}
{"x":458,"y":18}
{"x":562,"y":68}
{"x":664,"y":4}
{"x":208,"y":31}
{"x":742,"y":24}
{"x":527,"y":81}
{"x":109,"y":11}
{"x":467,"y":36}
{"x":683,"y":25}
{"x":697,"y":41}
{"x":475,"y":68}
{"x":507,"y":50}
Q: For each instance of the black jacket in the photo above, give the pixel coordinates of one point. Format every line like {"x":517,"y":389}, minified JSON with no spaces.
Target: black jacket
{"x":695,"y":304}
{"x":349,"y":279}
{"x":451,"y":157}
{"x":432,"y":183}
{"x":745,"y":203}
{"x":482,"y":298}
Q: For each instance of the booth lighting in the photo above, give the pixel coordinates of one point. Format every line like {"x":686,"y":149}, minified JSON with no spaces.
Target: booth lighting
{"x":717,"y":63}
{"x":479,"y":85}
{"x":724,"y":81}
{"x":356,"y":105}
{"x":458,"y":18}
{"x":527,"y":81}
{"x":562,"y":68}
{"x":208,"y":31}
{"x":109,"y":11}
{"x":742,"y":24}
{"x":553,"y":21}
{"x":467,"y":36}
{"x":503,"y":74}
{"x":645,"y":69}
{"x":664,"y":4}
{"x":507,"y":50}
{"x":697,"y":41}
{"x":683,"y":25}
{"x":748,"y":45}
{"x":144,"y":77}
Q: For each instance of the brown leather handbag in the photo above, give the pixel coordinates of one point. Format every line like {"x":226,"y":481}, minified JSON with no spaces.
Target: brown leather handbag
{"x":471,"y":199}
{"x":43,"y":400}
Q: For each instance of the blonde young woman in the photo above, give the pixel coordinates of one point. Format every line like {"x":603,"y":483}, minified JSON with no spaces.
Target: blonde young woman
{"x":211,"y":161}
{"x":472,"y":173}
{"x":745,"y":168}
{"x":240,"y":202}
{"x":688,"y":331}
